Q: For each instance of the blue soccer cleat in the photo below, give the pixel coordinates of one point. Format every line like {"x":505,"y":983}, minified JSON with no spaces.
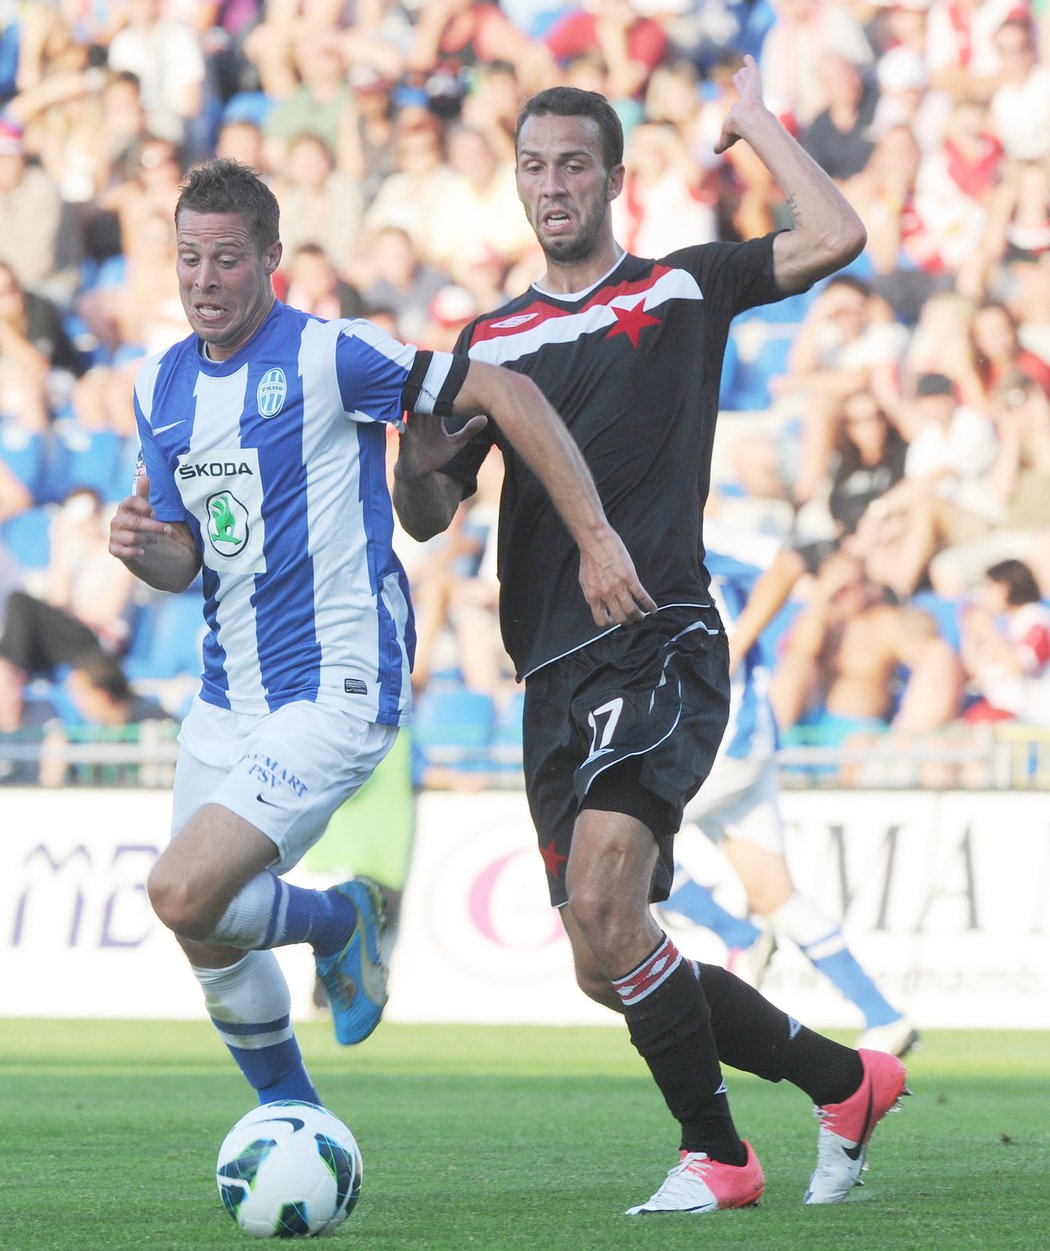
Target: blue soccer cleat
{"x":354,"y":977}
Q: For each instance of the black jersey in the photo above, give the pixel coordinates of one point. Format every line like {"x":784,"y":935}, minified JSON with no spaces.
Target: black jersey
{"x":633,"y":365}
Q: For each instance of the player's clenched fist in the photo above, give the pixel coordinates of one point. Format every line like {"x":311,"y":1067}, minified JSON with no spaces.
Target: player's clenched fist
{"x":133,"y":527}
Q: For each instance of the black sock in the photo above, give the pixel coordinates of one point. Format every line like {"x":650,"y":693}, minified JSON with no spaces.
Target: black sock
{"x":670,"y":1025}
{"x":753,"y":1035}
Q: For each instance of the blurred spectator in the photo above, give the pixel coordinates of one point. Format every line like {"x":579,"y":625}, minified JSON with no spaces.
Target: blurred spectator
{"x":395,"y":278}
{"x":837,"y":675}
{"x":631,"y":44}
{"x":868,"y":460}
{"x":315,"y":287}
{"x":1019,"y":478}
{"x":939,"y":344}
{"x":164,"y":53}
{"x":1005,"y":647}
{"x":492,"y":103}
{"x":848,"y":341}
{"x":838,"y":137}
{"x":454,"y":35}
{"x":15,"y":495}
{"x":30,"y":223}
{"x":139,"y":311}
{"x":322,"y":104}
{"x":1018,"y":232}
{"x":37,"y":358}
{"x":270,"y":45}
{"x":369,"y":150}
{"x":667,"y":202}
{"x":150,"y":183}
{"x":241,"y":140}
{"x":103,"y":696}
{"x":380,"y":36}
{"x":413,"y":196}
{"x":26,"y":723}
{"x":905,"y":99}
{"x":960,"y":39}
{"x":803,"y":32}
{"x":450,"y":311}
{"x":998,"y":351}
{"x":87,"y":599}
{"x":1020,"y":105}
{"x":318,"y":203}
{"x":945,"y":496}
{"x":920,"y":224}
{"x":481,"y":210}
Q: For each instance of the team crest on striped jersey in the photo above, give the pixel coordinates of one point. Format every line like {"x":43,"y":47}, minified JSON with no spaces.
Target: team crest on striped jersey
{"x":271,"y":393}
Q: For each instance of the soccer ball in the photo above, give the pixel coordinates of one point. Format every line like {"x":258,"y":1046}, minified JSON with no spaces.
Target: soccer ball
{"x":289,"y":1169}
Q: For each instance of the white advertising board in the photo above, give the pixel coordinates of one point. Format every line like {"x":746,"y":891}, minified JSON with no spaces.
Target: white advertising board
{"x":946,"y":900}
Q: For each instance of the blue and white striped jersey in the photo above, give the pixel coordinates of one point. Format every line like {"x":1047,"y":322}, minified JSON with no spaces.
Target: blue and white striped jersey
{"x":735,"y":560}
{"x":276,"y":460}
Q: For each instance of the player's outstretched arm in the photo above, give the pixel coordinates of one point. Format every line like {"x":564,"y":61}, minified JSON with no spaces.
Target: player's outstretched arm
{"x":161,"y":553}
{"x":827,"y":233}
{"x":608,"y":578}
{"x":425,"y":498}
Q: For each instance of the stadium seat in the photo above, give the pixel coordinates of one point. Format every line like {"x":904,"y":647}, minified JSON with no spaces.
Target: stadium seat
{"x":945,"y":613}
{"x":23,"y":454}
{"x":454,"y":726}
{"x":166,"y":641}
{"x":757,"y":350}
{"x":82,"y":458}
{"x":28,"y":536}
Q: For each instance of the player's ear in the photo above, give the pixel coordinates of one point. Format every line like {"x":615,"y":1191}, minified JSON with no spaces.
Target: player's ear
{"x":273,"y":256}
{"x":614,"y":182}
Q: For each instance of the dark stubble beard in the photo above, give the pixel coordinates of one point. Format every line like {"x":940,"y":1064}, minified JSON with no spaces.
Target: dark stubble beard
{"x":573,"y":251}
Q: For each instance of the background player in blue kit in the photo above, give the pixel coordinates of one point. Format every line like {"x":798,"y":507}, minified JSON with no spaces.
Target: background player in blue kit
{"x":621,"y":724}
{"x":739,"y":804}
{"x":263,"y":439}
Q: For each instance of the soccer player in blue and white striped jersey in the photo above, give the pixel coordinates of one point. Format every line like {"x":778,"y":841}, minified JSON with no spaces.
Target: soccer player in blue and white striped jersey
{"x":263,"y":440}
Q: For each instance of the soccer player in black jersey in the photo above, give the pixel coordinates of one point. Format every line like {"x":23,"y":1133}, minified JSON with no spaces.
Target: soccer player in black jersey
{"x":622,"y":722}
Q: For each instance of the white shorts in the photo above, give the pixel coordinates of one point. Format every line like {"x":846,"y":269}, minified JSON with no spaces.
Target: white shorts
{"x":740,"y":799}
{"x":284,"y":772}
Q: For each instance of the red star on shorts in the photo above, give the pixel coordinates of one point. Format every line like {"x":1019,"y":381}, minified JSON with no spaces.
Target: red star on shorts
{"x":552,"y":860}
{"x":631,"y":321}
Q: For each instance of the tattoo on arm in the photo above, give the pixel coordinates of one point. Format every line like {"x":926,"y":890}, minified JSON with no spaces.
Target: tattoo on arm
{"x":791,"y":200}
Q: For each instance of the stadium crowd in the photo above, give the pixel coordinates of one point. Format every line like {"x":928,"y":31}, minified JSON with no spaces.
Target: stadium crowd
{"x":890,"y":427}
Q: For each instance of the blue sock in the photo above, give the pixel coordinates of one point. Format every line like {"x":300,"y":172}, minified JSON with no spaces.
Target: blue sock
{"x":698,"y":904}
{"x":268,"y":912}
{"x":843,"y":971}
{"x":249,"y":1006}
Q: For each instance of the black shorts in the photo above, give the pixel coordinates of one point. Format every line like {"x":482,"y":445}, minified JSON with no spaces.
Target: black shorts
{"x":630,"y":723}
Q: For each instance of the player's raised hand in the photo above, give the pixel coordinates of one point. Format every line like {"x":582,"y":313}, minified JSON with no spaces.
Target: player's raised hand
{"x":610,"y":583}
{"x":427,"y":445}
{"x":133,"y":527}
{"x":748,"y":84}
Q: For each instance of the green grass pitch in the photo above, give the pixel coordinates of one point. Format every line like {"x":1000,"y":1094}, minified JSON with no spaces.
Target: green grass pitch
{"x":503,"y":1139}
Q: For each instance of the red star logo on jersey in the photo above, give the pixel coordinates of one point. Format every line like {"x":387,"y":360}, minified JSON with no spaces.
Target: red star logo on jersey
{"x":631,"y":321}
{"x":552,"y":860}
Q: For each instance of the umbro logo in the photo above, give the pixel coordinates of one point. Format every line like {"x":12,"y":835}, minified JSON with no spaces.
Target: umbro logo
{"x":508,"y":323}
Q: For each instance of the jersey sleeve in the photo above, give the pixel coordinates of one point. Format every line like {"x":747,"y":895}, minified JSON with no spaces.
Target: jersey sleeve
{"x":738,"y":275}
{"x":381,"y":378}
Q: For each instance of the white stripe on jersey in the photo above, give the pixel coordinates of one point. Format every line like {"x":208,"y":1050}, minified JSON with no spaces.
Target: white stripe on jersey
{"x":675,"y":284}
{"x":216,"y":399}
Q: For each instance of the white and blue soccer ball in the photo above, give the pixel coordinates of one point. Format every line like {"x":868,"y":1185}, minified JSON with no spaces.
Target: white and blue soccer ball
{"x":289,"y":1170}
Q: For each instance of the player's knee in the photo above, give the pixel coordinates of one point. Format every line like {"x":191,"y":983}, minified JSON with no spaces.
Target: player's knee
{"x":176,"y":905}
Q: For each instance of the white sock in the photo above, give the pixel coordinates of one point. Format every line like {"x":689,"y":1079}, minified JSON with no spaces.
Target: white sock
{"x":809,"y":928}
